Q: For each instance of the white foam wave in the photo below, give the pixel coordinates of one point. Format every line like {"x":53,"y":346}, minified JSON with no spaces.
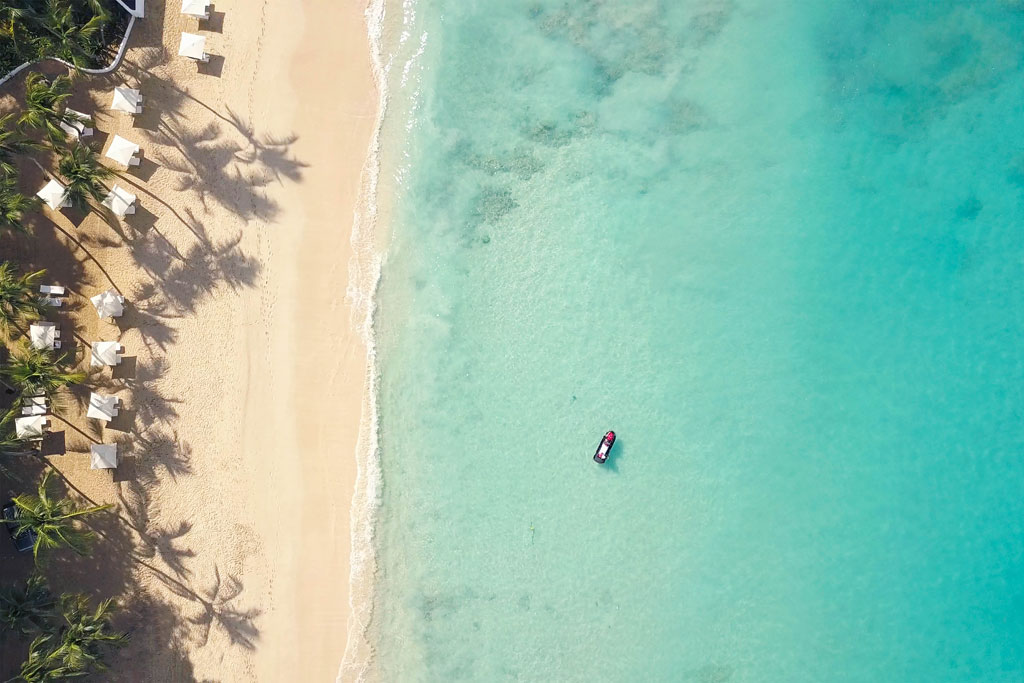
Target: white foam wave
{"x":364,"y":277}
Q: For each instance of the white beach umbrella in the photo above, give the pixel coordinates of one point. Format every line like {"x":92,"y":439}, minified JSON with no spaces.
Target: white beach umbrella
{"x":30,"y":427}
{"x":106,"y":353}
{"x":55,"y":195}
{"x":109,"y":304}
{"x":42,"y":335}
{"x":102,"y":407}
{"x":120,"y":201}
{"x":196,"y":8}
{"x":122,"y":151}
{"x":126,"y":99}
{"x":193,"y":45}
{"x":104,"y":456}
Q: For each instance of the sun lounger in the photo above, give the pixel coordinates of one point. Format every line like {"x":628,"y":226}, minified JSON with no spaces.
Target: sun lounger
{"x":54,"y":290}
{"x":76,"y":128}
{"x":51,"y":301}
{"x":35,"y":405}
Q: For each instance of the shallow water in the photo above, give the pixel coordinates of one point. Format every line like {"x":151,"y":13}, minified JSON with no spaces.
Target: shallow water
{"x":775,"y":246}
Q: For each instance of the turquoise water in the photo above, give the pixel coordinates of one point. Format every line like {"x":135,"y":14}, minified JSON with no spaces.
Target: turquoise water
{"x":777,"y":246}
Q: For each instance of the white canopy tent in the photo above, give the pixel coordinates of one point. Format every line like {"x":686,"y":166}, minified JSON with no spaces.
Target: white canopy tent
{"x":109,"y":304}
{"x":123,"y":151}
{"x":120,"y":201}
{"x":102,"y":407}
{"x":194,"y":46}
{"x":30,"y":427}
{"x":106,"y":353}
{"x":42,"y":335}
{"x":76,"y":128}
{"x":104,"y":456}
{"x":127,"y":100}
{"x":196,"y":8}
{"x":55,"y":195}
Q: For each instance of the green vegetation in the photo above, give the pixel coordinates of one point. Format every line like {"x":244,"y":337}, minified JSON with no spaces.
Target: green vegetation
{"x":13,"y":141}
{"x":54,"y":521}
{"x":45,"y":105}
{"x":19,"y":301}
{"x":83,"y":175}
{"x":64,"y":636}
{"x":72,"y":635}
{"x":81,"y":32}
{"x":37,"y":372}
{"x":27,"y":608}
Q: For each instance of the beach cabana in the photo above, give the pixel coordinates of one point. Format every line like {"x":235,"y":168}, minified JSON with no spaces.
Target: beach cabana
{"x":43,"y":335}
{"x":120,"y":201}
{"x":109,"y":304}
{"x":75,"y":128}
{"x":54,"y":195}
{"x":199,"y":9}
{"x":127,"y":100}
{"x":194,"y":46}
{"x":106,"y":353}
{"x":30,"y":426}
{"x":123,"y":151}
{"x":104,"y":456}
{"x":102,"y":407}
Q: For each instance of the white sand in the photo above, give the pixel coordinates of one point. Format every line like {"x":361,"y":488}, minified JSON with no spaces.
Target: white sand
{"x":244,"y":375}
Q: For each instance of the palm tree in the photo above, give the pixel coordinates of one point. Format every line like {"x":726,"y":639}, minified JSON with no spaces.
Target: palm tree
{"x":83,"y":174}
{"x":15,"y":16}
{"x":40,"y":666}
{"x":84,"y":634}
{"x":40,"y":371}
{"x":54,"y":521}
{"x":76,"y":647}
{"x":67,"y":36}
{"x":13,"y":204}
{"x":46,"y":104}
{"x":10,"y":443}
{"x":27,"y":608}
{"x":12,"y":143}
{"x":19,"y":299}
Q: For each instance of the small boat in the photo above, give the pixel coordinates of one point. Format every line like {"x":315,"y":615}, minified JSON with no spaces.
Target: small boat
{"x":606,"y":445}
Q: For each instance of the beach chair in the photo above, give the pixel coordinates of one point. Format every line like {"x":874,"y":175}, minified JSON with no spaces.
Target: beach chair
{"x":34,"y":405}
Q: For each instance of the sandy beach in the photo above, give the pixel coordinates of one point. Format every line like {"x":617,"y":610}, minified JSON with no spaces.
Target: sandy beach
{"x":243,"y":379}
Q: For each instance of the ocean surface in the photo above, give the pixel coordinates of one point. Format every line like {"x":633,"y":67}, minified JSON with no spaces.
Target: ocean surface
{"x":778,"y":247}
